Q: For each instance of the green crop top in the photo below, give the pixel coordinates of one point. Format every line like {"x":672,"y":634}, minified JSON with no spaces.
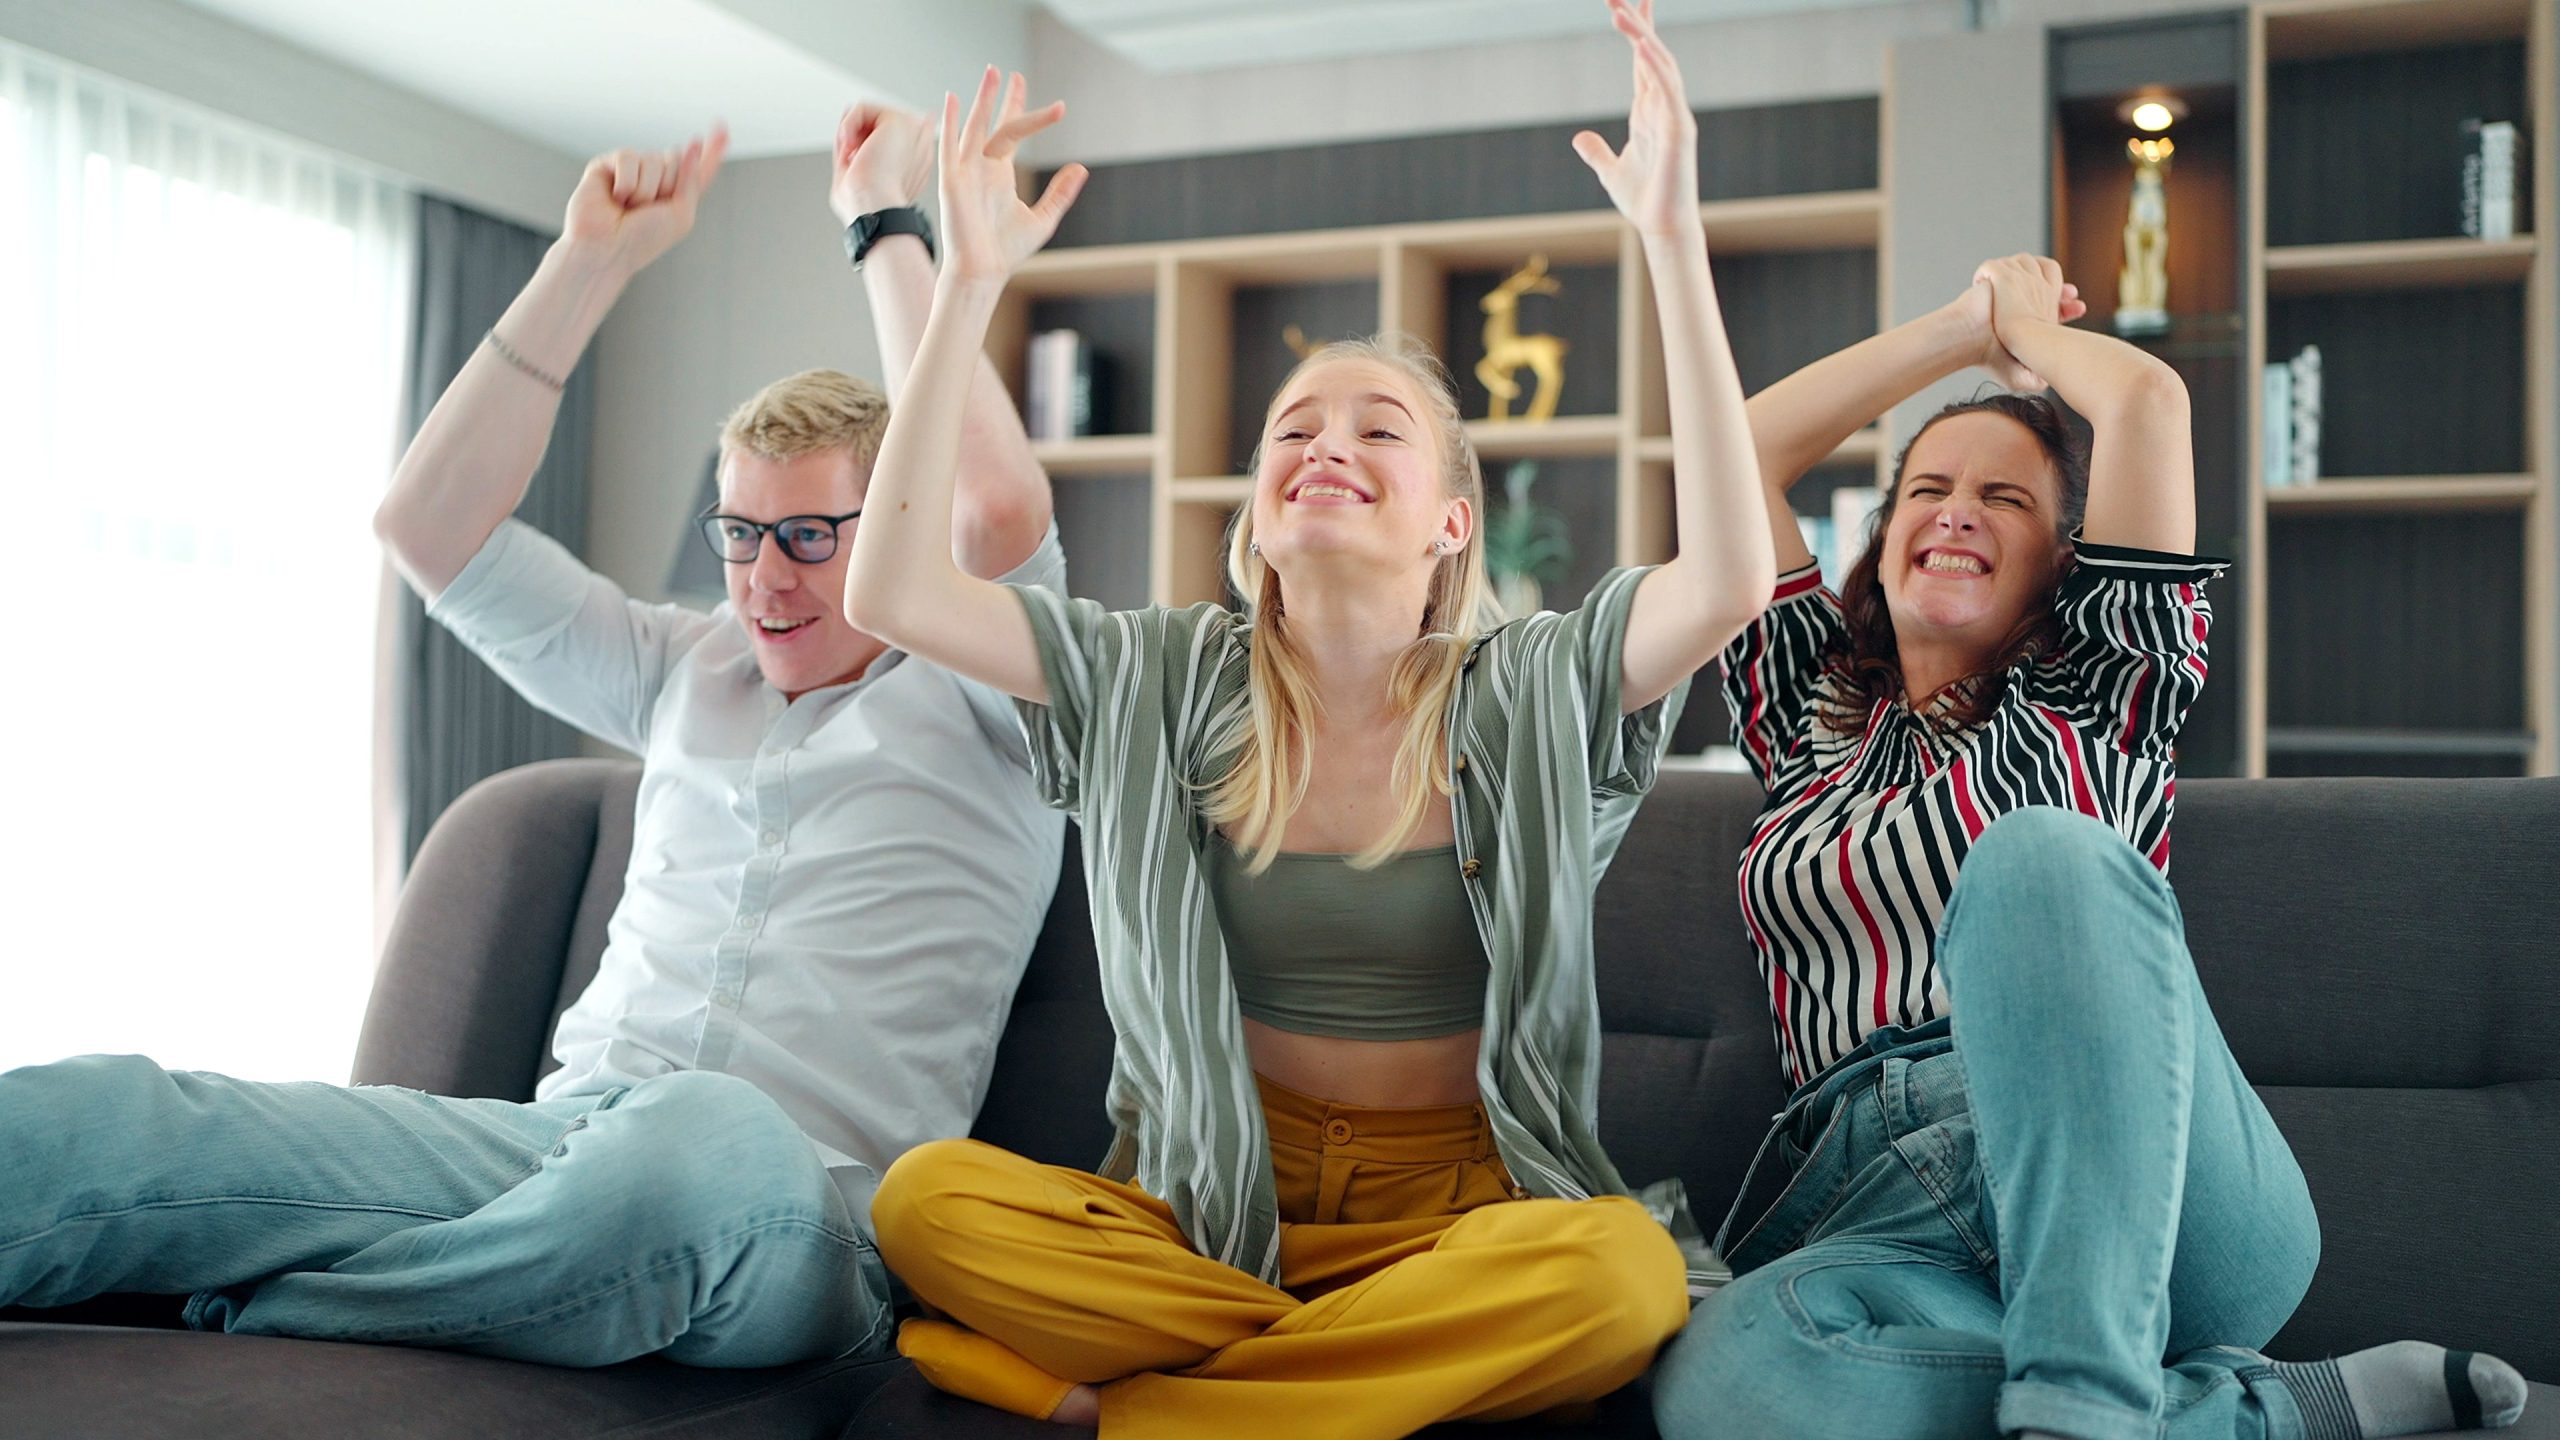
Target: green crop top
{"x":1319,"y":948}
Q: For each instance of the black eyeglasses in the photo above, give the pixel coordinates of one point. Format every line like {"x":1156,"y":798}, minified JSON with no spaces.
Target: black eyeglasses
{"x":808,"y":539}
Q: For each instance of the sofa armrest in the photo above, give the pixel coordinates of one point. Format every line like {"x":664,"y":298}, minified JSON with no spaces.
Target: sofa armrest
{"x":471,"y":978}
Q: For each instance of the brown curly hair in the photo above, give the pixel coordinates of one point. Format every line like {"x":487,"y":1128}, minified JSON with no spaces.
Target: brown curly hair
{"x":1868,"y":664}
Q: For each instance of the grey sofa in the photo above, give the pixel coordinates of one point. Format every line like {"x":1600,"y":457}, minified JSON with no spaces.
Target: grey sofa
{"x":2385,"y":957}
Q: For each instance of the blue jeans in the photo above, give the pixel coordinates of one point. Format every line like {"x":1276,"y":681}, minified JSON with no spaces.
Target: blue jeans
{"x":2065,"y":1212}
{"x":685,"y":1216}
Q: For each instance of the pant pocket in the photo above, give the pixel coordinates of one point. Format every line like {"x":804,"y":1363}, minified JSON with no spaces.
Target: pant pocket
{"x":1929,"y":1122}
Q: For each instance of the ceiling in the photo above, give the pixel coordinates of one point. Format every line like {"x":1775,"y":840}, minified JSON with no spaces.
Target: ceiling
{"x":582,"y":76}
{"x":1169,"y":36}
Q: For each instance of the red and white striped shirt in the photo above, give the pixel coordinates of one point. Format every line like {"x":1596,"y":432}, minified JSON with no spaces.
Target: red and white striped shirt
{"x":1850,"y":865}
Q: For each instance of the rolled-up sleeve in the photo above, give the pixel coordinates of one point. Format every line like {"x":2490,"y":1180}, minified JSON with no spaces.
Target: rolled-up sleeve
{"x":566,"y":638}
{"x":1772,"y":667}
{"x":2134,"y":626}
{"x":1578,"y":659}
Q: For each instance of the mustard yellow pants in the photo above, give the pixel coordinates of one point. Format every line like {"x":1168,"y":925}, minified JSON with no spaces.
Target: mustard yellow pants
{"x":1415,"y":1286}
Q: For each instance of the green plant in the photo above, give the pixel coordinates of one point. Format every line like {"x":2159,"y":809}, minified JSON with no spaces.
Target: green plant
{"x":1522,"y":537}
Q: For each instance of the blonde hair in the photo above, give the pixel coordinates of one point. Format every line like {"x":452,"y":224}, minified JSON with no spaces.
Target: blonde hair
{"x":805,"y":413}
{"x":1268,"y":780}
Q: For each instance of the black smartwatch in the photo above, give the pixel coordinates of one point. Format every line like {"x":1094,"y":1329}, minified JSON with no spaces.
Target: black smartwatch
{"x":869,"y":230}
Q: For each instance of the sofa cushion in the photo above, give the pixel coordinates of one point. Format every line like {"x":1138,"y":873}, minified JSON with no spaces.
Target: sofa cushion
{"x":79,"y":1382}
{"x":2380,"y":956}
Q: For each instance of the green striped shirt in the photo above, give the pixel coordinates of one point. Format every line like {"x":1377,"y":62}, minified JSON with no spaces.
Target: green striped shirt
{"x":1152,"y":704}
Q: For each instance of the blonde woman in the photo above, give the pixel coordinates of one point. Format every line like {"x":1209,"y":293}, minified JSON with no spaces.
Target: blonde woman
{"x":1342,"y":848}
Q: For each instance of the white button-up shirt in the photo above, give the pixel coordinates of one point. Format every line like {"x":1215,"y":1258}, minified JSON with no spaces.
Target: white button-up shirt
{"x":831,"y":897}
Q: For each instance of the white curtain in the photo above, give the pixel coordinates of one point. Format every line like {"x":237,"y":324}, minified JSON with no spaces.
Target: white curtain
{"x":202,"y":330}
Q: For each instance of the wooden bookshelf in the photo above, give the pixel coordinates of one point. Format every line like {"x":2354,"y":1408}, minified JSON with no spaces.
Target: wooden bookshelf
{"x":2398,"y":265}
{"x":2409,"y":495}
{"x":2418,"y":326}
{"x":1097,"y":455}
{"x":1185,"y":297}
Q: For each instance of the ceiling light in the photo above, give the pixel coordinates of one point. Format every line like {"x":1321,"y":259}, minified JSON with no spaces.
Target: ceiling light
{"x":2152,"y":112}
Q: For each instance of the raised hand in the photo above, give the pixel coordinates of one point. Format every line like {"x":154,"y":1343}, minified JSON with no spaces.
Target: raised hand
{"x":1654,"y":180}
{"x":884,"y":159}
{"x":2023,"y":288}
{"x":632,"y":206}
{"x":1976,"y":307}
{"x":987,"y":231}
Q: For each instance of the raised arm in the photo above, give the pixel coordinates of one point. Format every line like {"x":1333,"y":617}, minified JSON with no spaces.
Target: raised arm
{"x":468,"y":467}
{"x":1722,"y":572}
{"x":1799,"y":421}
{"x":2142,"y":464}
{"x":902,"y":585}
{"x":883,"y":160}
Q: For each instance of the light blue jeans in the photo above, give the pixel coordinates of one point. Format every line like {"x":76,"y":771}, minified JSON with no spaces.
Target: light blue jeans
{"x":685,"y":1216}
{"x":2067,"y":1212}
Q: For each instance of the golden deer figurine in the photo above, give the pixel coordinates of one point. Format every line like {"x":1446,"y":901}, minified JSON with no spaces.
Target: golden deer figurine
{"x":1506,"y":350}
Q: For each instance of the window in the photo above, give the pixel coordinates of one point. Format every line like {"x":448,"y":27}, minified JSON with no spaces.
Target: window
{"x":202,"y":337}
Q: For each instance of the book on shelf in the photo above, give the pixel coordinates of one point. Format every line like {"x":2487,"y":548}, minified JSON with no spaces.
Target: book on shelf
{"x":1058,"y":386}
{"x":2289,"y":420}
{"x":2304,"y":465}
{"x":2489,"y":166}
{"x":1853,"y":510}
{"x":2276,"y":411}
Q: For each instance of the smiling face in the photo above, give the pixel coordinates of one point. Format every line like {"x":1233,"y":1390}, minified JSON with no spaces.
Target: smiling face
{"x":793,"y":613}
{"x":1971,"y":548}
{"x":1352,"y":475}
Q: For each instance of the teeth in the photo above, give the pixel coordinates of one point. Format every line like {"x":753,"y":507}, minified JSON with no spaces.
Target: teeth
{"x":776,"y":627}
{"x":1953,"y":564}
{"x":1326,"y":487}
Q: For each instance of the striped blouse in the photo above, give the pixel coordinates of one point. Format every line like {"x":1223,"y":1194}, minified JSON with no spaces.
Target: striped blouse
{"x":1850,"y":864}
{"x":1146,"y":708}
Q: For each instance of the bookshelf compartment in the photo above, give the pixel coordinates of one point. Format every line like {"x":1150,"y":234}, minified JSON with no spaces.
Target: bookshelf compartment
{"x":1583,"y":493}
{"x":1783,"y":309}
{"x":2395,"y":623}
{"x":1121,"y":330}
{"x":2413,"y":382}
{"x":1103,"y":522}
{"x":2368,"y":147}
{"x":1583,"y":315}
{"x":2094,"y":189}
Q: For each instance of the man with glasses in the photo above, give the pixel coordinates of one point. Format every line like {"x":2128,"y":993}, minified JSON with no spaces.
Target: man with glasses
{"x":838,"y":868}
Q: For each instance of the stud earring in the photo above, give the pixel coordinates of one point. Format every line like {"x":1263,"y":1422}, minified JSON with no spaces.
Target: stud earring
{"x":1253,"y":548}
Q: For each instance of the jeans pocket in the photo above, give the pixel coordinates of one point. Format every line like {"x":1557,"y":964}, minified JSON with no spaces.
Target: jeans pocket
{"x":1809,"y":1197}
{"x":1929,"y":1122}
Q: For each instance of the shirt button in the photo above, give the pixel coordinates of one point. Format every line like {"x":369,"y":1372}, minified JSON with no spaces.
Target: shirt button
{"x":773,"y":837}
{"x":749,"y":920}
{"x":1337,"y":1131}
{"x":1519,"y":1192}
{"x":1473,"y":868}
{"x":1460,"y":764}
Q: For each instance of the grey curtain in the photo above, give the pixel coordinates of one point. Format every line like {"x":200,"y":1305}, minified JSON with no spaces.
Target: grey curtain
{"x":458,"y":722}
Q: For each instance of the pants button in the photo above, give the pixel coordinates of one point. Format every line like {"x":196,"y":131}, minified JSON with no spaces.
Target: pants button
{"x":1337,"y":1131}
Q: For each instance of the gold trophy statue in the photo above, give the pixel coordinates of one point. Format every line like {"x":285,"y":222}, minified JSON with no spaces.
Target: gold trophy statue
{"x":1506,"y":350}
{"x":2142,"y":288}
